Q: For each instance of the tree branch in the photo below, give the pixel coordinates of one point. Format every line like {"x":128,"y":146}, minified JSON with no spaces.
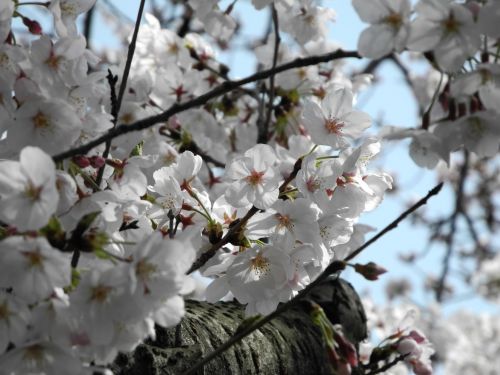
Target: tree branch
{"x":117,"y":105}
{"x":334,"y":267}
{"x":264,"y":129}
{"x":440,"y":287}
{"x":224,"y":88}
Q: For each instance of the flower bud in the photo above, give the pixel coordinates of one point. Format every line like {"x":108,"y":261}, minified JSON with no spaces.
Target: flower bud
{"x":370,"y":271}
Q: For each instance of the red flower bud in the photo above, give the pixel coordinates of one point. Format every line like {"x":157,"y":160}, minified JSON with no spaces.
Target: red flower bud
{"x":97,"y":161}
{"x":81,"y":161}
{"x":33,"y":26}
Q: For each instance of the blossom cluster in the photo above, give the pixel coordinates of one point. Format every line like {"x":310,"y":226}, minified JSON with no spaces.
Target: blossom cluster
{"x":96,"y":249}
{"x":461,"y":109}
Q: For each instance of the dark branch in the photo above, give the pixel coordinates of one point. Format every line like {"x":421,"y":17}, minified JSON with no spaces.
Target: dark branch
{"x":450,"y":240}
{"x":224,"y":88}
{"x":264,"y":129}
{"x":116,"y":104}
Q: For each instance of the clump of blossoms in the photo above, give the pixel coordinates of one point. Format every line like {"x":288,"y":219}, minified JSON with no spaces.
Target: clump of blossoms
{"x":459,"y":41}
{"x":97,"y":247}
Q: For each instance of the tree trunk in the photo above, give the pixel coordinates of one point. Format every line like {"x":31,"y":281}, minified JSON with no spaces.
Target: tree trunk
{"x":289,"y":344}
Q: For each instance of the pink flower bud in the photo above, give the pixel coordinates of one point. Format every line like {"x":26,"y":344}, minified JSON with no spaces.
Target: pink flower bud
{"x":417,"y":336}
{"x":421,"y":368}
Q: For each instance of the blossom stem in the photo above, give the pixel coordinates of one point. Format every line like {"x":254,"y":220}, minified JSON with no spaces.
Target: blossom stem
{"x":426,"y":116}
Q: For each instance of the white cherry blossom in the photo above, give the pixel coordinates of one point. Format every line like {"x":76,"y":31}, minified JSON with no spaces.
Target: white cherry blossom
{"x":28,"y":195}
{"x":253,"y":179}
{"x":448,"y":29}
{"x":389,"y":27}
{"x":334,"y":120}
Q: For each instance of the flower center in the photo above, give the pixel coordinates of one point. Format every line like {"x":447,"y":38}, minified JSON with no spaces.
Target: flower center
{"x":41,"y":121}
{"x":127,"y":118}
{"x":284,"y":221}
{"x":100,"y":293}
{"x":394,"y":20}
{"x":255,"y":178}
{"x":144,"y":270}
{"x":334,"y":126}
{"x":53,"y":61}
{"x":259,"y":264}
{"x":33,"y":192}
{"x":450,"y":25}
{"x":35,"y":259}
{"x":312,"y":185}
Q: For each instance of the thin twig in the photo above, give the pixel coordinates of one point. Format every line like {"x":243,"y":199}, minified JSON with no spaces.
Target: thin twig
{"x":440,"y":287}
{"x":333,"y":268}
{"x":115,"y":107}
{"x":130,"y":56}
{"x":396,"y":222}
{"x":264,"y":129}
{"x":222,"y":89}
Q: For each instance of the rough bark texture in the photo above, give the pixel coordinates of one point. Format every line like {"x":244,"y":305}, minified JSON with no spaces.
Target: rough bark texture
{"x":289,"y":344}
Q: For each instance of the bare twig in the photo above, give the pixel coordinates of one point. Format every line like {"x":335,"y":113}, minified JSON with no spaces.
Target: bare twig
{"x":333,"y":268}
{"x":224,"y":88}
{"x":396,"y":222}
{"x":263,"y":131}
{"x":450,"y":240}
{"x":115,"y":106}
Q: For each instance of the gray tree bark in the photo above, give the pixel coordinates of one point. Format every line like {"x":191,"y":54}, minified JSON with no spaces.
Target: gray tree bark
{"x":289,"y":344}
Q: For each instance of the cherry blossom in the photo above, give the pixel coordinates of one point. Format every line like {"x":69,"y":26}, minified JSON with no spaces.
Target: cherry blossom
{"x":446,"y":28}
{"x":253,"y":178}
{"x":334,"y":120}
{"x":35,"y":268}
{"x":96,"y":247}
{"x":28,"y":190}
{"x":65,"y":14}
{"x":389,"y":28}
